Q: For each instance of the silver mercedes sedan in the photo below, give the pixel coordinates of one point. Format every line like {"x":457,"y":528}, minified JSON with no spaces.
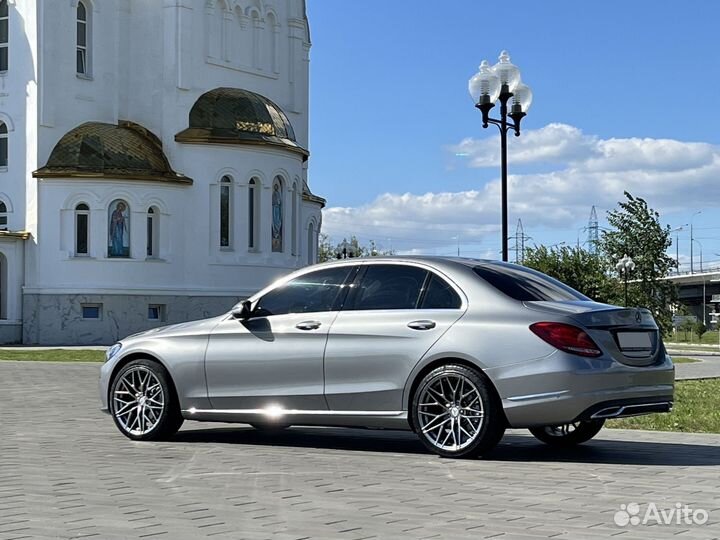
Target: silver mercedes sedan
{"x":456,"y":350}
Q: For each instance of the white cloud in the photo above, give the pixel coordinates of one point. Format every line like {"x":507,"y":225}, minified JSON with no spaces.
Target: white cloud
{"x":554,"y":143}
{"x":672,"y":175}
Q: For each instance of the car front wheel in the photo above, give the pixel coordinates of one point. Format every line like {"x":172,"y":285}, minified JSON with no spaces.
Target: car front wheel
{"x":568,"y":434}
{"x":143,"y":403}
{"x":456,"y":412}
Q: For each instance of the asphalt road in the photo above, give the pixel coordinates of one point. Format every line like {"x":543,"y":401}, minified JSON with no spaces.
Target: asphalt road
{"x":65,"y":472}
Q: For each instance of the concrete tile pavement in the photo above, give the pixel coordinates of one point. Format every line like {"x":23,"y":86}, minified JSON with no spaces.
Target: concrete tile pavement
{"x":65,"y":472}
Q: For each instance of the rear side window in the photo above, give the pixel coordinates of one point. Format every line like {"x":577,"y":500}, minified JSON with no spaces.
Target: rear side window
{"x":527,"y":285}
{"x":440,"y":295}
{"x":389,"y":286}
{"x":313,"y":292}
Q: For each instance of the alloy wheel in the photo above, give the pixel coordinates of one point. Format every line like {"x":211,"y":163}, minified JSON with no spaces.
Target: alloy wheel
{"x":450,"y":412}
{"x":138,"y":401}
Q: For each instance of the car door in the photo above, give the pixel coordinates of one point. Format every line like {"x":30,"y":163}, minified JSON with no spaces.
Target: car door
{"x":393,"y":315}
{"x":275,"y":357}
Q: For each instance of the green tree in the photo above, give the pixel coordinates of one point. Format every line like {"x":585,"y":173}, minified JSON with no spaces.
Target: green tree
{"x":637,"y":232}
{"x":327,"y":251}
{"x":700,"y":329}
{"x":583,"y":271}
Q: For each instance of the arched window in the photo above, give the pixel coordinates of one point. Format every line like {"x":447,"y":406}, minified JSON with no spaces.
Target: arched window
{"x":270,"y":43}
{"x":4,"y":35}
{"x":311,"y":244}
{"x":277,"y":215}
{"x":294,"y":220}
{"x":253,"y":205}
{"x":83,"y":40}
{"x":82,"y":229}
{"x":257,"y":27}
{"x":225,"y":212}
{"x":119,"y":229}
{"x":153,"y":233}
{"x":3,"y":145}
{"x":3,"y":216}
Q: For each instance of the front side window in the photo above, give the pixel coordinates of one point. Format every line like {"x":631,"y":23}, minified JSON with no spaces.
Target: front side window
{"x":527,"y":285}
{"x":4,"y":35}
{"x":3,"y":144}
{"x":389,"y":286}
{"x":225,"y":190}
{"x":119,"y":229}
{"x":314,"y":292}
{"x":82,"y":40}
{"x":82,"y":218}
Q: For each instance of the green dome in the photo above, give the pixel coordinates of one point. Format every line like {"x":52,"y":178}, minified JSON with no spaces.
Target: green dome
{"x":123,"y":151}
{"x":236,"y":116}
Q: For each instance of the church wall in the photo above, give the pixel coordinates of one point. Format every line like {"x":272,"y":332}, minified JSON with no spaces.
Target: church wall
{"x":57,"y":319}
{"x":193,"y":276}
{"x":150,"y":61}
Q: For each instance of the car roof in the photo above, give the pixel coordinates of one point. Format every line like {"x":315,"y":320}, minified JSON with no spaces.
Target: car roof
{"x":429,"y":259}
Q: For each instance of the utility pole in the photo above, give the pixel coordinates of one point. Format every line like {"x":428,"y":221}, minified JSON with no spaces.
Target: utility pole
{"x":593,"y":236}
{"x":519,"y":247}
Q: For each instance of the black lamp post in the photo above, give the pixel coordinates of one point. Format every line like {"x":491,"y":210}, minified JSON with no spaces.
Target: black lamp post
{"x":501,"y":82}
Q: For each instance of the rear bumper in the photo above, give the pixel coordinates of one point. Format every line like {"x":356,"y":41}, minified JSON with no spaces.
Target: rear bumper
{"x":562,"y":388}
{"x":622,"y":408}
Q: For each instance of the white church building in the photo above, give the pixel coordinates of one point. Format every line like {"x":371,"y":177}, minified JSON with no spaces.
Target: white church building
{"x":153,"y":161}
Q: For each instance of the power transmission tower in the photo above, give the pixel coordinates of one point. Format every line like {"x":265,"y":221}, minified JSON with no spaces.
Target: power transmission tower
{"x":592,"y":228}
{"x":519,"y":247}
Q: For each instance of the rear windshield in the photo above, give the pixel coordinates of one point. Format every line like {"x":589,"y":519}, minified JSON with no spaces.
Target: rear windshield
{"x":527,"y":285}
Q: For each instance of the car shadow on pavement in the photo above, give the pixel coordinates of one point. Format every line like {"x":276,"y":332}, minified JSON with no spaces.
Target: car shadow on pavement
{"x":513,"y":447}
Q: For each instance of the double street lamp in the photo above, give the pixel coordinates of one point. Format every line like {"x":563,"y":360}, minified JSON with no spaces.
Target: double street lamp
{"x":624,"y":266}
{"x":501,"y":82}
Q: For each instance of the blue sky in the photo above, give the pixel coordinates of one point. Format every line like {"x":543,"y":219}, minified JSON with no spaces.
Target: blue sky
{"x":625,"y":97}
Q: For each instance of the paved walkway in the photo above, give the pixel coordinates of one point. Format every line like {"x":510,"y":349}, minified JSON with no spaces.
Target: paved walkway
{"x":708,"y":366}
{"x":65,"y":472}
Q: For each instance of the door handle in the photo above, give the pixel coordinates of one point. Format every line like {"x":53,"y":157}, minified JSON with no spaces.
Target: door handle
{"x":308,"y":325}
{"x":421,"y":325}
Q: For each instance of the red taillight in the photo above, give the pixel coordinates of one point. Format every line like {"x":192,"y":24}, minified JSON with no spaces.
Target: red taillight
{"x":566,"y":337}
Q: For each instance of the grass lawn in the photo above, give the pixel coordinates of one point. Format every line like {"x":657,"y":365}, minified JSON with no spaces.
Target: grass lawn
{"x":683,"y":360}
{"x":53,"y":355}
{"x":708,"y":338}
{"x":697,"y":409}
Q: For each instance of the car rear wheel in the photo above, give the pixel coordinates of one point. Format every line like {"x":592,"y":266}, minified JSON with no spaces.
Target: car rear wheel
{"x":568,"y":434}
{"x":456,"y":412}
{"x":143,"y":403}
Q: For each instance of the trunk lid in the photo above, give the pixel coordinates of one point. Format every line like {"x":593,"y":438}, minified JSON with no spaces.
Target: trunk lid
{"x":630,"y":335}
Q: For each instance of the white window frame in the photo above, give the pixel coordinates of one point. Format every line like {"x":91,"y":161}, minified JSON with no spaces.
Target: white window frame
{"x":86,"y":49}
{"x":4,"y":146}
{"x":226,"y":183}
{"x":152,"y":233}
{"x":5,"y":45}
{"x":82,"y":212}
{"x":253,"y":214}
{"x":3,"y":216}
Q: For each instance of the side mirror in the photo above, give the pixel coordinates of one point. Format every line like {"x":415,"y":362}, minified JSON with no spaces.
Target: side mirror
{"x":242,"y":310}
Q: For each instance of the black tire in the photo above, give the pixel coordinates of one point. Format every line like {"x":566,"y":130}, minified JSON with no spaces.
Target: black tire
{"x":486,"y":429}
{"x":567,"y":435}
{"x":269,"y":427}
{"x":167,"y":418}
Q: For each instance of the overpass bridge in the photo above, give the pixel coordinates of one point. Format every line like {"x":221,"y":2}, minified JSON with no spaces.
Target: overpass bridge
{"x":698,"y":290}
